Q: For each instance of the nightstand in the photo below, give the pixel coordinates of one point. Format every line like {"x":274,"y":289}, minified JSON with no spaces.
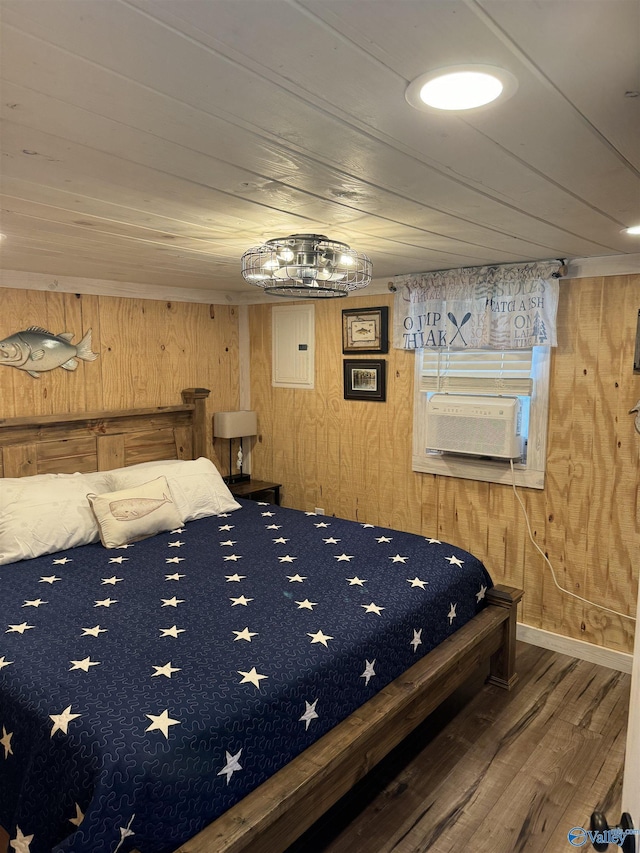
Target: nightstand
{"x":256,"y":490}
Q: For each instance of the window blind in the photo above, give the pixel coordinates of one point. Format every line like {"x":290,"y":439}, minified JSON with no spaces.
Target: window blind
{"x":477,"y":371}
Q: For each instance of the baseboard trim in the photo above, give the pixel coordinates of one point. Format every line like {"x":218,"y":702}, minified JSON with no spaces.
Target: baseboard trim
{"x":575,"y":648}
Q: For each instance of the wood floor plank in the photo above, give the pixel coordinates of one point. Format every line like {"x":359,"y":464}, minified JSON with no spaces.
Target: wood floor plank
{"x":494,"y":772}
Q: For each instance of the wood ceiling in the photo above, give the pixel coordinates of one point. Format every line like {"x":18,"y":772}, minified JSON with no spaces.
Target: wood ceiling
{"x":153,"y":141}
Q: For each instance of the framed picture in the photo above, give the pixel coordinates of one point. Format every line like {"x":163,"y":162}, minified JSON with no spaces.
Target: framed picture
{"x":365,"y":380}
{"x":365,"y":330}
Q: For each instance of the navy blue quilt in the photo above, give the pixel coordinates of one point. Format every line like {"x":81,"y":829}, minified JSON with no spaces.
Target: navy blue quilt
{"x":145,"y":690}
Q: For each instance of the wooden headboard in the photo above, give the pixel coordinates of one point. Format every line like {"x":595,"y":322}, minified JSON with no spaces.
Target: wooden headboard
{"x":98,"y":441}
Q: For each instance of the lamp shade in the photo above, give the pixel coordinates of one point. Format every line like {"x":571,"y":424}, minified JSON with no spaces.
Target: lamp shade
{"x":235,"y":424}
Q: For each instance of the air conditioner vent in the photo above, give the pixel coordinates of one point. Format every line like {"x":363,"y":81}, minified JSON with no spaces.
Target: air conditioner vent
{"x":480,"y":426}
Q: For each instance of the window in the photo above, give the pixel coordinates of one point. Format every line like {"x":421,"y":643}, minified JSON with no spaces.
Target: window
{"x":523,"y":373}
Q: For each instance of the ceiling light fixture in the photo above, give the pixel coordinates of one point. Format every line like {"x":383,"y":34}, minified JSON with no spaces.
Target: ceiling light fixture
{"x":460,"y":87}
{"x":634,"y":231}
{"x":307,"y":265}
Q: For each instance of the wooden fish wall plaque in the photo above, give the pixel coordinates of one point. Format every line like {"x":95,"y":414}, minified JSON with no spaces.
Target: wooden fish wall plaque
{"x":36,"y":350}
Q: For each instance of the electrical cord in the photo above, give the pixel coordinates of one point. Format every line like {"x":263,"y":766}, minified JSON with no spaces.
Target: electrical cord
{"x":548,"y":562}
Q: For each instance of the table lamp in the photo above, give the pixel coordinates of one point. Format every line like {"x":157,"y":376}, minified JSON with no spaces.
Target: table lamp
{"x":232,"y":425}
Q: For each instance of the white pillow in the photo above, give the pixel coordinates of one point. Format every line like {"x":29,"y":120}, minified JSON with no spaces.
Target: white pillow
{"x":129,"y":515}
{"x":47,"y":513}
{"x":196,"y":485}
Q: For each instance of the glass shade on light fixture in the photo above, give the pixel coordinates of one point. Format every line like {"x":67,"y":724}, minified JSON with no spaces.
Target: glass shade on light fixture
{"x":460,"y":87}
{"x":307,"y":265}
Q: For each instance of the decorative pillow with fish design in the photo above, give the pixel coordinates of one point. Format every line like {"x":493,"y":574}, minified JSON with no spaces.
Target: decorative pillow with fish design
{"x":196,"y":485}
{"x":133,"y":514}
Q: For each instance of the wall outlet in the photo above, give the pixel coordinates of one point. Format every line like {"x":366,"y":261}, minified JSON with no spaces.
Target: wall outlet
{"x":318,"y":510}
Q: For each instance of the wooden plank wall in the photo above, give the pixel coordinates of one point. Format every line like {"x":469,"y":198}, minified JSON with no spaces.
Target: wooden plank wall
{"x":353,"y":458}
{"x":148,"y":352}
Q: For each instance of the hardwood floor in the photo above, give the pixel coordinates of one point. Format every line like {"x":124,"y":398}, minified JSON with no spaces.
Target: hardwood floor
{"x":510,"y":773}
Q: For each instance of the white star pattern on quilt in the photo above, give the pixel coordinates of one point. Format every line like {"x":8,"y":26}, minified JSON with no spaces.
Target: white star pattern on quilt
{"x":118,"y":560}
{"x":372,"y":608}
{"x":4,"y":662}
{"x":50,"y":579}
{"x":83,"y":664}
{"x":125,"y":832}
{"x":19,"y":629}
{"x":174,"y":577}
{"x":417,"y":639}
{"x":309,"y":714}
{"x":398,"y":559}
{"x":62,"y":561}
{"x":369,"y":671}
{"x":417,"y":582}
{"x":454,"y":561}
{"x":232,"y":765}
{"x":319,"y":637}
{"x":21,"y":843}
{"x":481,"y":592}
{"x":296,"y":578}
{"x":287,"y":558}
{"x":322,"y":524}
{"x":356,"y":581}
{"x":451,"y":615}
{"x":331,"y":541}
{"x":177,"y":530}
{"x":384,"y":538}
{"x":167,"y":670}
{"x":112,"y":580}
{"x":229,"y":542}
{"x":175,"y":559}
{"x":251,"y":677}
{"x":172,"y":602}
{"x":161,"y":722}
{"x":93,"y":632}
{"x":245,"y":634}
{"x":306,"y":604}
{"x":5,"y":741}
{"x":273,"y":526}
{"x":280,"y":540}
{"x":226,"y":527}
{"x":36,"y":602}
{"x":61,"y":721}
{"x":240,"y":600}
{"x":79,"y":816}
{"x":344,"y":558}
{"x":177,"y":544}
{"x":232,"y":558}
{"x":267,"y":514}
{"x":173,"y":631}
{"x":234,"y":578}
{"x":105,"y":602}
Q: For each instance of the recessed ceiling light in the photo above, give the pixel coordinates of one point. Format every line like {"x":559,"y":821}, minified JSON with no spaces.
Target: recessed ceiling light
{"x":634,"y":230}
{"x":460,"y":87}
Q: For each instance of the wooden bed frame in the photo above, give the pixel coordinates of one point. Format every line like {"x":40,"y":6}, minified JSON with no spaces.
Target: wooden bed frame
{"x":270,"y":818}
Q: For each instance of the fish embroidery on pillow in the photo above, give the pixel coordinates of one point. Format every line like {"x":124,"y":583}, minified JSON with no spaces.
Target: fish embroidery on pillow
{"x":130,"y":509}
{"x":36,"y":350}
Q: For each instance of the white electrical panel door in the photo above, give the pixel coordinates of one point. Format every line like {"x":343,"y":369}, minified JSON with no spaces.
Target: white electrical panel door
{"x":293,"y":345}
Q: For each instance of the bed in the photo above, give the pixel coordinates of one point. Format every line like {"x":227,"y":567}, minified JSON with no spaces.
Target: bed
{"x":320,"y":644}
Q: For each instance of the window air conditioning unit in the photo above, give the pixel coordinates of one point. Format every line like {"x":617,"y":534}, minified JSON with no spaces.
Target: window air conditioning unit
{"x":480,"y":426}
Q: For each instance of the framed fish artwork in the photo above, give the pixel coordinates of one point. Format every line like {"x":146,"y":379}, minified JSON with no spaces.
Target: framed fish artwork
{"x":36,"y":351}
{"x":365,"y":330}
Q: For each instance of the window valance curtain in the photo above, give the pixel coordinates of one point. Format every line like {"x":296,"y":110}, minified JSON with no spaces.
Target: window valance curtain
{"x":506,"y":306}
